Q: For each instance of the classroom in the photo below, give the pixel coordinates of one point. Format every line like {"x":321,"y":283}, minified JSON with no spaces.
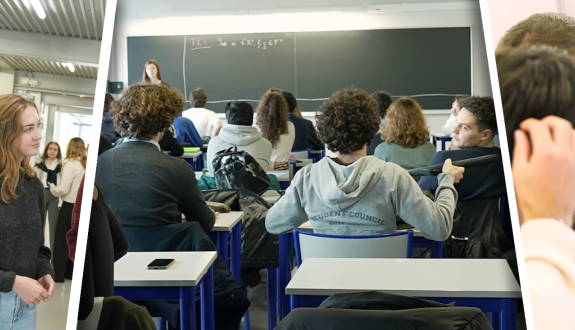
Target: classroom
{"x":345,"y":156}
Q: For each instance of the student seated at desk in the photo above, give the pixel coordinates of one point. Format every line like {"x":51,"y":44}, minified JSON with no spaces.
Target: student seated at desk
{"x":185,"y":132}
{"x":144,"y":186}
{"x":206,"y":121}
{"x":305,"y":133}
{"x":356,"y":194}
{"x":240,"y":133}
{"x":473,"y":135}
{"x":383,"y":101}
{"x":273,"y":122}
{"x":405,"y":136}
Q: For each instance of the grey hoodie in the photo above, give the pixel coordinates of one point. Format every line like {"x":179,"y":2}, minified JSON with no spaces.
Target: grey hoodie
{"x":362,"y":198}
{"x":246,"y":138}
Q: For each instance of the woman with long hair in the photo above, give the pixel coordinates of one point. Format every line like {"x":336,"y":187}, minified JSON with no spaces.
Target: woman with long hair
{"x":25,"y":271}
{"x":405,"y":135}
{"x":151,"y":74}
{"x":48,"y":170}
{"x":273,"y":122}
{"x":73,"y":169}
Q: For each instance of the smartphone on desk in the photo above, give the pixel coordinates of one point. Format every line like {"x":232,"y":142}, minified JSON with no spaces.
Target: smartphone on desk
{"x":160,"y":264}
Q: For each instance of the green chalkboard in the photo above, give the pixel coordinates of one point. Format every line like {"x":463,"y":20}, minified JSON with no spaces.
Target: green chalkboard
{"x":430,"y":64}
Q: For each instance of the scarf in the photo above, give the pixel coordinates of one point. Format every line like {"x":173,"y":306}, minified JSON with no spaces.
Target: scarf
{"x":52,"y":174}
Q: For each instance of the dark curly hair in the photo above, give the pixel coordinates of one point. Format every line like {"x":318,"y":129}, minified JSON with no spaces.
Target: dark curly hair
{"x":272,"y":116}
{"x":383,"y":101}
{"x":145,"y":110}
{"x":483,"y":110}
{"x":347,"y":121}
{"x":405,"y":124}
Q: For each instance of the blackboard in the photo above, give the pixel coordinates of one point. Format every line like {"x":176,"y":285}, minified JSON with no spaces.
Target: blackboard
{"x":430,"y":64}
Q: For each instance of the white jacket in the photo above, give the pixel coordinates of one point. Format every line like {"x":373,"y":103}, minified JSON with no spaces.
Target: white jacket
{"x":549,"y":248}
{"x":70,"y":178}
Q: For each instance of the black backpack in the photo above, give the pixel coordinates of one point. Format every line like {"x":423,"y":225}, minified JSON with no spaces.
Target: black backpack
{"x":235,"y":169}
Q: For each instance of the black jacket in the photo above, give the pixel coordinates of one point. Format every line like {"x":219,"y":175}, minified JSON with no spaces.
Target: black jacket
{"x":305,"y":134}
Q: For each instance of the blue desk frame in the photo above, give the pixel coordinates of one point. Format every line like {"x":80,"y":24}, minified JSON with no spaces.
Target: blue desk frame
{"x":222,"y":239}
{"x":186,"y":296}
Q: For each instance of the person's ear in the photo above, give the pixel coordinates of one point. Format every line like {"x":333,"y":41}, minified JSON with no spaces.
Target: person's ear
{"x":486,"y":134}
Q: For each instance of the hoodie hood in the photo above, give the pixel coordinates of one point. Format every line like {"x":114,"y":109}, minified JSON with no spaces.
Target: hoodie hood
{"x":239,"y":135}
{"x":339,"y":186}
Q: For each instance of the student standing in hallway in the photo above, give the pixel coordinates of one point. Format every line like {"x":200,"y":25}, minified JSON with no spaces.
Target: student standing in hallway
{"x":25,"y":272}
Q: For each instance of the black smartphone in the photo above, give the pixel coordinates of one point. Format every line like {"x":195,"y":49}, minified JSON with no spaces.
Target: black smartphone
{"x":160,"y":263}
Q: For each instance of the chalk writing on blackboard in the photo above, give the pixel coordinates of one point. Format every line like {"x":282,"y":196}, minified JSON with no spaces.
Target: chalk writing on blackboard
{"x":199,"y":43}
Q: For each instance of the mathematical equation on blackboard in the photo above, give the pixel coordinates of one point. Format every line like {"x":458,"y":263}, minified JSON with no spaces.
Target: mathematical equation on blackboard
{"x":199,"y":43}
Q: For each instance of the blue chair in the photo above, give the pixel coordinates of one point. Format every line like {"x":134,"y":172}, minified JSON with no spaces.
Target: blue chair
{"x":312,"y":245}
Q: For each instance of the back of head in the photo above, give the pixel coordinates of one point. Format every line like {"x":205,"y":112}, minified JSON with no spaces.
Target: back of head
{"x":383,"y":101}
{"x":272,"y":116}
{"x":290,"y":99}
{"x":11,"y":167}
{"x":77,"y":150}
{"x":483,"y":109}
{"x":240,"y":113}
{"x":347,"y":121}
{"x":108,"y":99}
{"x":198,"y":98}
{"x":146,"y":110}
{"x":550,"y":29}
{"x":405,"y":124}
{"x":535,"y":82}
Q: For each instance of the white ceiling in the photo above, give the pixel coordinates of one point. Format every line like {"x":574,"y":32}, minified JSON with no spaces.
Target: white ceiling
{"x":68,"y":18}
{"x":64,"y":18}
{"x":154,"y":8}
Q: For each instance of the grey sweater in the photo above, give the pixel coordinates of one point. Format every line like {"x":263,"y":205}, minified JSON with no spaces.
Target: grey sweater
{"x":22,"y":250}
{"x":362,"y":198}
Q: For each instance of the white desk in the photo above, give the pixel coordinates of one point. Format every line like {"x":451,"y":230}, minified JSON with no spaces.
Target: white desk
{"x":441,"y":137}
{"x":227,"y":221}
{"x":187,"y":269}
{"x":271,"y":196}
{"x":198,"y":175}
{"x":192,"y":155}
{"x":467,"y":281}
{"x":283,"y":176}
{"x":132,"y":280}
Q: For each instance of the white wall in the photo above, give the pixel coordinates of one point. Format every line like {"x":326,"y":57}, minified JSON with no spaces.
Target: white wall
{"x":503,"y":14}
{"x":127,"y":25}
{"x":6,"y":81}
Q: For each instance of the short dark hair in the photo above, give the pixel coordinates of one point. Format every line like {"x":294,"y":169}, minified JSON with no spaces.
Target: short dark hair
{"x":347,"y":121}
{"x":290,"y":99}
{"x":552,"y":29}
{"x":144,"y":110}
{"x":535,"y":82}
{"x":198,"y":98}
{"x":483,"y":109}
{"x":383,"y":101}
{"x":240,"y":113}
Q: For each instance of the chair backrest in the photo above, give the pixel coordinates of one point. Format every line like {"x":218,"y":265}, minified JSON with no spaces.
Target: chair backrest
{"x":312,"y":245}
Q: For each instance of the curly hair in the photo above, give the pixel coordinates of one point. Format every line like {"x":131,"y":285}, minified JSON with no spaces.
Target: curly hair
{"x":552,"y":29}
{"x":383,"y":101}
{"x":483,"y":110}
{"x":347,"y":121}
{"x":405,"y":124}
{"x":145,"y":110}
{"x":272,"y":116}
{"x":198,"y":98}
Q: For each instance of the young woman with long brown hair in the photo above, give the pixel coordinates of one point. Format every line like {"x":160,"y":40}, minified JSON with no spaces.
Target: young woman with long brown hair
{"x":48,"y":170}
{"x":405,"y":135}
{"x":25,"y":272}
{"x":151,"y":74}
{"x":273,"y":122}
{"x":73,"y":170}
